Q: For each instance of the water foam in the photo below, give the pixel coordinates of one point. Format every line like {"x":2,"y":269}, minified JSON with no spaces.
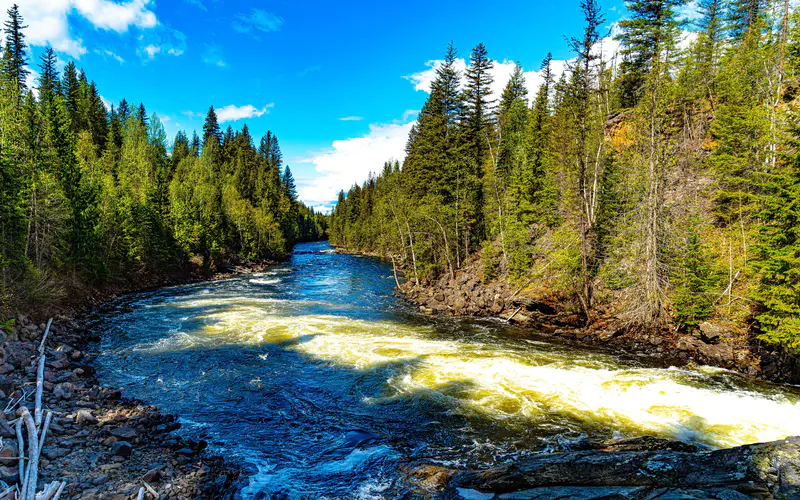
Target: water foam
{"x":509,"y":386}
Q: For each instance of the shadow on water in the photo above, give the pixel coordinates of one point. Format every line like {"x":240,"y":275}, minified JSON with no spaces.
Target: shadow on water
{"x":240,"y":361}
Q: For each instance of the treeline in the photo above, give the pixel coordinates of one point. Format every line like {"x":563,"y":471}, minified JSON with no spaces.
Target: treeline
{"x":89,"y":194}
{"x":659,"y":183}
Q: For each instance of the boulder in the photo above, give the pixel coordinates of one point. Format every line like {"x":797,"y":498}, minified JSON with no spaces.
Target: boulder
{"x":64,"y":390}
{"x":9,"y":475}
{"x":532,"y":304}
{"x":85,"y":417}
{"x":764,"y":470}
{"x":122,"y":449}
{"x":710,"y":332}
{"x":153,"y":476}
{"x":54,"y":453}
{"x":124,"y":432}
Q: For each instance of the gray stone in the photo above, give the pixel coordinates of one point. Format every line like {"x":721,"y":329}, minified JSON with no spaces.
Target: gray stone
{"x":100,"y":480}
{"x":65,"y":390}
{"x":124,"y":432}
{"x":122,"y":449}
{"x":54,"y":453}
{"x":85,"y":417}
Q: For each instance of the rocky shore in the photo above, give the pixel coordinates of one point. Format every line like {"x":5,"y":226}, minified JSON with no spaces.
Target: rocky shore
{"x":636,"y":469}
{"x":102,"y":444}
{"x":544,"y":315}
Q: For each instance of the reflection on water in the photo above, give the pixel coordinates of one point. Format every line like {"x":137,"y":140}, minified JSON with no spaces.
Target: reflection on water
{"x":317,"y":375}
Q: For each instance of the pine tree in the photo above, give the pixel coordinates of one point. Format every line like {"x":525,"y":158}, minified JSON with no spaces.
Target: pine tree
{"x":49,"y":84}
{"x":477,"y":121}
{"x":778,"y":251}
{"x":696,"y":280}
{"x":514,"y":89}
{"x":650,"y":32}
{"x":70,"y":89}
{"x":15,"y":58}
{"x":289,"y":187}
{"x":583,"y":93}
{"x":478,"y":111}
{"x":211,"y":130}
{"x":743,"y":17}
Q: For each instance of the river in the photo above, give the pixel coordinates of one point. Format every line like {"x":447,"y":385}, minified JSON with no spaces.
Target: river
{"x":317,"y":375}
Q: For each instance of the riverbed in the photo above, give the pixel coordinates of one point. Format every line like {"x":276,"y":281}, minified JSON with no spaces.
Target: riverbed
{"x":326,"y":383}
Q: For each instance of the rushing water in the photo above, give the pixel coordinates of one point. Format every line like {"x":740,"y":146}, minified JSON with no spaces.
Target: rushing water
{"x":318,"y":376}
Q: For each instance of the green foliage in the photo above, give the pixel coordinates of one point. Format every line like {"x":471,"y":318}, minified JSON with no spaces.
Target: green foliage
{"x":778,"y":257}
{"x":696,"y":281}
{"x":89,"y":194}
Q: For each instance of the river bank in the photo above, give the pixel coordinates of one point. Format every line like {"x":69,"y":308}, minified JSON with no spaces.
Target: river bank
{"x":101,"y":443}
{"x":712,"y":343}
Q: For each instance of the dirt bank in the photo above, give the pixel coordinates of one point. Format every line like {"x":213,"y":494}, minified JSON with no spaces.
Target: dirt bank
{"x":712,"y":343}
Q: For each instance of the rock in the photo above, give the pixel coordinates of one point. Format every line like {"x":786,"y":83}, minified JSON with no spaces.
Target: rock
{"x":6,"y":368}
{"x":85,"y":417}
{"x":711,"y":333}
{"x":185,"y":452}
{"x":731,"y":473}
{"x":54,"y":453}
{"x":498,"y":306}
{"x":646,"y":443}
{"x":6,"y":384}
{"x":721,"y":354}
{"x":100,"y":480}
{"x":18,"y":354}
{"x":65,"y":390}
{"x":8,"y":457}
{"x":122,"y":449}
{"x":9,"y":475}
{"x":153,"y":476}
{"x":431,"y":477}
{"x":532,"y":304}
{"x":5,"y":430}
{"x":124,"y":432}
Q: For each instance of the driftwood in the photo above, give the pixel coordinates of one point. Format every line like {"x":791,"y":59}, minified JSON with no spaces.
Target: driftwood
{"x":140,"y":496}
{"x":20,"y":449}
{"x":508,"y":320}
{"x":151,"y":490}
{"x":36,"y":426}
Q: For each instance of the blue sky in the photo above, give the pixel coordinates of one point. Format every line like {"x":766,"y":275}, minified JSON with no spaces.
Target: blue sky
{"x":338,"y":82}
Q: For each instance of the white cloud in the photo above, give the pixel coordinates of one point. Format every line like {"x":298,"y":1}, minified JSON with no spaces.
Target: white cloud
{"x":351,"y":118}
{"x":116,"y":16}
{"x":152,"y":50}
{"x":690,"y":11}
{"x":351,"y":160}
{"x":502,"y":70}
{"x":48,"y":20}
{"x":322,"y":209}
{"x":231,"y":113}
{"x":32,"y":81}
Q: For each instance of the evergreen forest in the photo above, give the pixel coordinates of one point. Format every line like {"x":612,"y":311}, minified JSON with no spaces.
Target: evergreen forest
{"x":90,"y":195}
{"x":659,"y":183}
